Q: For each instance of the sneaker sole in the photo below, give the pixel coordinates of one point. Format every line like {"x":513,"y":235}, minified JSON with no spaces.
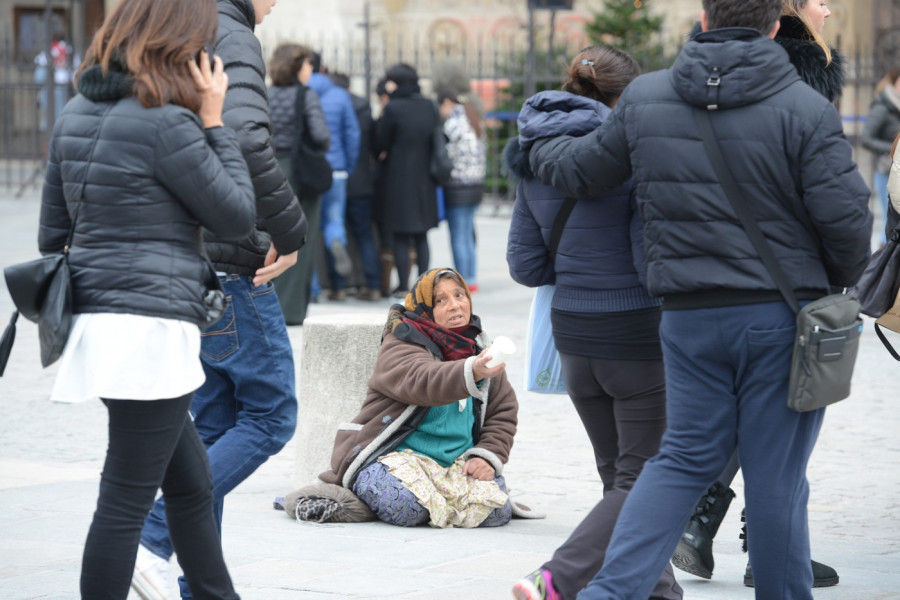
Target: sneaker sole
{"x":525,"y":591}
{"x":817,"y":583}
{"x":687,"y":559}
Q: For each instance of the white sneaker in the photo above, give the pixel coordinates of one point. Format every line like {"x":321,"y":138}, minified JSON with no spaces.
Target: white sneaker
{"x":151,"y":575}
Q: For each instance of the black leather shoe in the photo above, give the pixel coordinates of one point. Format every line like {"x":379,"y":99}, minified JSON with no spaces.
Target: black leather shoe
{"x":823,"y":575}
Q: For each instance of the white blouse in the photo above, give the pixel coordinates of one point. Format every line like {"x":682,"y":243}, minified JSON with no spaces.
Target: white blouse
{"x":128,"y":357}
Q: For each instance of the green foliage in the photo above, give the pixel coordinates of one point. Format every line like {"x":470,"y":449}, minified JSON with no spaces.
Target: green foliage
{"x":629,"y":26}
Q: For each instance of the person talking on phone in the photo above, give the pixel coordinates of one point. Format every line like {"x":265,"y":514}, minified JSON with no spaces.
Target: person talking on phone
{"x":139,"y":163}
{"x":246,"y":410}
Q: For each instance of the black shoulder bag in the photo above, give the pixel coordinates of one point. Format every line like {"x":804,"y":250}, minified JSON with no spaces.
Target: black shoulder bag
{"x":827,"y":338}
{"x":311,"y":171}
{"x":41,"y":289}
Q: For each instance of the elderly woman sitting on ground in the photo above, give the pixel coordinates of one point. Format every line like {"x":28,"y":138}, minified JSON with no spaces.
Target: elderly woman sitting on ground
{"x":437,"y":425}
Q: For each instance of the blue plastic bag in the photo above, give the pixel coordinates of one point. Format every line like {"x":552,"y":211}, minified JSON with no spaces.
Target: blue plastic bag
{"x":543,"y":370}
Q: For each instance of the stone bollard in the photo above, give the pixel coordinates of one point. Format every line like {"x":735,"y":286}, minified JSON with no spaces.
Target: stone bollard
{"x":337,"y":359}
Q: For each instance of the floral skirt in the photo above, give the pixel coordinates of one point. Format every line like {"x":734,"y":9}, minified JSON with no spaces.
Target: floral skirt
{"x":408,"y":489}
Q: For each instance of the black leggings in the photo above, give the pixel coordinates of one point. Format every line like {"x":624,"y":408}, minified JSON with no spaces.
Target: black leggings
{"x":152,"y":445}
{"x":622,"y":404}
{"x":402,"y":243}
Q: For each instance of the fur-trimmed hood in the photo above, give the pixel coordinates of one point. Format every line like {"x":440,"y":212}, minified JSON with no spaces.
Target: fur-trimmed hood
{"x":809,"y":59}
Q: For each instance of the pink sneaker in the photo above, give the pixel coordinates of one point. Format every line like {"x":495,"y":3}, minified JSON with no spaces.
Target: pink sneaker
{"x":537,"y":585}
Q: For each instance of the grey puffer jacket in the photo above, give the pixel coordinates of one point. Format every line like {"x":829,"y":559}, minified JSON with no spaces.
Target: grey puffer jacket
{"x":279,"y":218}
{"x":140,"y":183}
{"x":782,"y":140}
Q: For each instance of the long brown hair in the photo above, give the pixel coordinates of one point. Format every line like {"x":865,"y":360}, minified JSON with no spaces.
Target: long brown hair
{"x":286,"y":62}
{"x":475,"y":122}
{"x":601,"y":73}
{"x":153,"y":40}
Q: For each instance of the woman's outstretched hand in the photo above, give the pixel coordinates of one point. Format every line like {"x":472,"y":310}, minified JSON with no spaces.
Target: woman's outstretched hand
{"x":212,"y":83}
{"x":479,"y":469}
{"x":480,"y":369}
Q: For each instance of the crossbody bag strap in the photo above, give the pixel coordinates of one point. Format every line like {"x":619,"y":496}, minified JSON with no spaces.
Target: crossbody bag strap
{"x":559,"y":223}
{"x":84,"y":182}
{"x":742,"y":209}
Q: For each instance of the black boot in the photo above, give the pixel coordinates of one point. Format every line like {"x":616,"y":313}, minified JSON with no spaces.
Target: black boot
{"x":823,"y":575}
{"x":694,"y":551}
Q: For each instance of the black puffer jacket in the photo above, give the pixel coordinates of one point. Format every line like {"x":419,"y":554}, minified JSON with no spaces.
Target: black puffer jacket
{"x":783,"y":142}
{"x":279,"y":218}
{"x":140,"y":195}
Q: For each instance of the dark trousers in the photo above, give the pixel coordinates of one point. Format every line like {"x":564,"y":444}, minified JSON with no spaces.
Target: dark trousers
{"x":727,"y":373}
{"x":622,"y":404}
{"x":403,"y":242}
{"x":153,"y":445}
{"x":294,"y":285}
{"x":359,"y":224}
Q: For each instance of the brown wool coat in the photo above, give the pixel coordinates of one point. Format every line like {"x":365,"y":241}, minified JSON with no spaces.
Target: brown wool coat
{"x":407,"y":380}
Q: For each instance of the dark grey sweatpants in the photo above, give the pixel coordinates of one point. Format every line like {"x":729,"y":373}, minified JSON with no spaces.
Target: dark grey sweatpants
{"x":622,"y":404}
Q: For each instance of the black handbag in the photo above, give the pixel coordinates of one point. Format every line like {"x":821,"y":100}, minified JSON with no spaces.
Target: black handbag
{"x":440,"y":166}
{"x":877,"y":288}
{"x":827,"y":339}
{"x":41,"y":289}
{"x":311,"y":171}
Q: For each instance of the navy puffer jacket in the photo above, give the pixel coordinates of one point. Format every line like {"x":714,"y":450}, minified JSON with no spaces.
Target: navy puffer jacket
{"x":279,"y":218}
{"x":140,"y":195}
{"x":599,"y":262}
{"x":783,"y":142}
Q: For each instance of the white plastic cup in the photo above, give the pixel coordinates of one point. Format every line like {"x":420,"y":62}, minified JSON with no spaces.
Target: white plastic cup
{"x":500,"y":350}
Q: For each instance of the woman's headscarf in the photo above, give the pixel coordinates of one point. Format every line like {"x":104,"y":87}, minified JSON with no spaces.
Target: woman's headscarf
{"x":417,"y":312}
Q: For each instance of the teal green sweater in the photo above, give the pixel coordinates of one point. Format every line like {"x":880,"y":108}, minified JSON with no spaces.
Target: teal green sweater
{"x":444,"y":434}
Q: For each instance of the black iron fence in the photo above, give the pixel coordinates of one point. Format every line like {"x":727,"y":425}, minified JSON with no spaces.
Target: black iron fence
{"x":495,"y":69}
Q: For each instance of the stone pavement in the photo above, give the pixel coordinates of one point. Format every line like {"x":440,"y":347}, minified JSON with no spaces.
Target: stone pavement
{"x":51,"y":455}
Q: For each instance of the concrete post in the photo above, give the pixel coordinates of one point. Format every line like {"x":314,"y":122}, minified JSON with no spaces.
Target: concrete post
{"x":337,"y":359}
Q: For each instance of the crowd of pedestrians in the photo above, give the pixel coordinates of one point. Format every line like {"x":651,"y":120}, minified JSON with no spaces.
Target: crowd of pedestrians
{"x":674,"y":346}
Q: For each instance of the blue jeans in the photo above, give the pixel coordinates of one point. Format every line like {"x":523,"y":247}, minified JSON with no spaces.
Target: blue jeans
{"x":359,"y":223}
{"x":461,"y":220}
{"x":724,"y":388}
{"x":334,"y":205}
{"x":246,"y":411}
{"x":880,"y":183}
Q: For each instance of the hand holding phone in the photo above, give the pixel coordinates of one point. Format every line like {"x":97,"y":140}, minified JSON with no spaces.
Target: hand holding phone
{"x":212,"y":82}
{"x":209,"y":54}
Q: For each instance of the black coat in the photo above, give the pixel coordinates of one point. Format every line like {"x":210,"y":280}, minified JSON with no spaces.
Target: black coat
{"x":150,"y":181}
{"x":280,"y":220}
{"x":359,"y":183}
{"x":784,"y":143}
{"x":404,"y":131}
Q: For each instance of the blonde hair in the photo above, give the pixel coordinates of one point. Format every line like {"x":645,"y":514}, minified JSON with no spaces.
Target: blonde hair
{"x":792,"y":9}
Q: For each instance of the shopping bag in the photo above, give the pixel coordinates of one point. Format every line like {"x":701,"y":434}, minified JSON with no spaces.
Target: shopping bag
{"x":543,"y":370}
